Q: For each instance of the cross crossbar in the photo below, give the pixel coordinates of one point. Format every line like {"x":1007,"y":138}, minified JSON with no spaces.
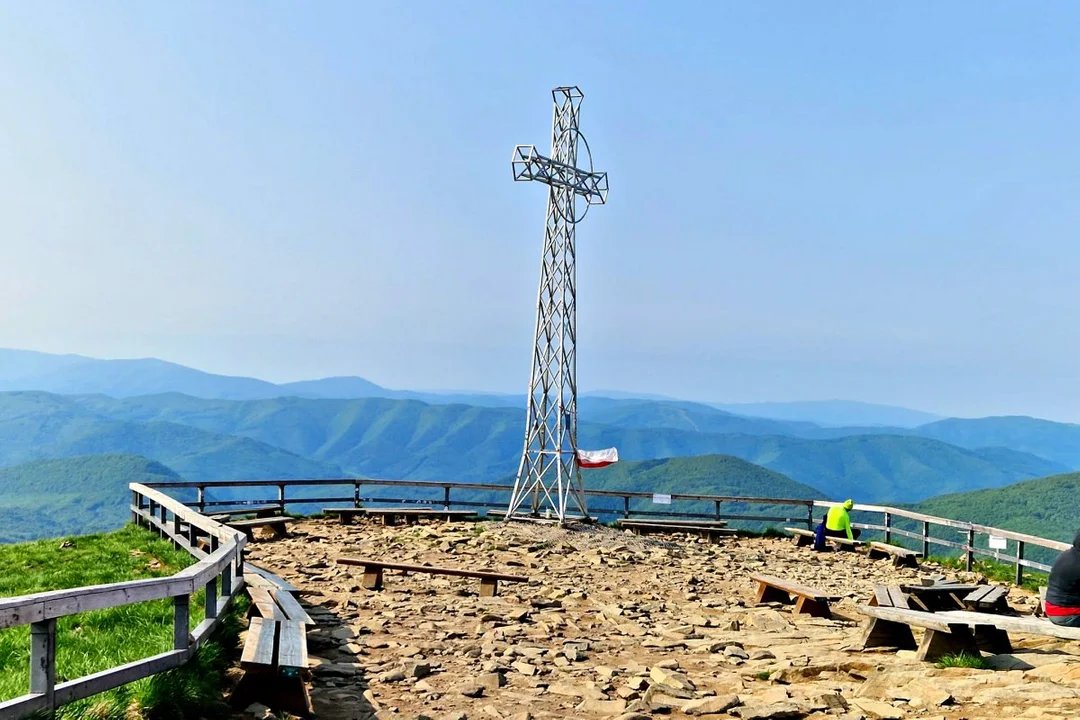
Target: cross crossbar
{"x":529,"y":164}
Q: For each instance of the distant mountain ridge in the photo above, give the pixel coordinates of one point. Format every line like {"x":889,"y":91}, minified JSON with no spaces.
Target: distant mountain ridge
{"x":834,"y":413}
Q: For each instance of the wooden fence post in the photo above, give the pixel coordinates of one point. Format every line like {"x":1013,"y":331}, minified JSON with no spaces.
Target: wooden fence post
{"x":226,"y":581}
{"x":446,"y":497}
{"x":717,"y":513}
{"x":969,"y":561}
{"x":626,"y":506}
{"x":202,"y":498}
{"x":888,"y":527}
{"x":211,"y":598}
{"x":281,"y":497}
{"x":181,"y":619}
{"x":1019,"y":557}
{"x":356,"y":495}
{"x":43,"y":661}
{"x":810,"y":515}
{"x":926,"y":539}
{"x":135,"y":502}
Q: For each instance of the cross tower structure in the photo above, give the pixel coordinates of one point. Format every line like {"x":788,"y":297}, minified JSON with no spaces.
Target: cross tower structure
{"x":549,"y":479}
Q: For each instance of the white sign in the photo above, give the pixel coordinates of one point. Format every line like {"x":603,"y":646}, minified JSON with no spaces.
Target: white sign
{"x":659,"y":499}
{"x":998,"y":543}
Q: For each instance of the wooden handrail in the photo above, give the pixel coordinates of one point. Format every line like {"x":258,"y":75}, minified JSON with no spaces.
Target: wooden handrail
{"x":220,"y":571}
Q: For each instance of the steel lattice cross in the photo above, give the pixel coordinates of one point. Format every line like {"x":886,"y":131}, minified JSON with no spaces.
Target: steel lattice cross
{"x":548,"y":476}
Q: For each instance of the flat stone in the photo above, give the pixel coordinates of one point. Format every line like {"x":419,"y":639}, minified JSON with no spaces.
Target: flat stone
{"x":491,"y":681}
{"x":779,"y":711}
{"x":877,"y":709}
{"x":711,"y":706}
{"x":471,"y":690}
{"x":603,"y":707}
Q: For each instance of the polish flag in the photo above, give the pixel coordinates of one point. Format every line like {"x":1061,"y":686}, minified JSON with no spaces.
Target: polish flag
{"x":597,"y":458}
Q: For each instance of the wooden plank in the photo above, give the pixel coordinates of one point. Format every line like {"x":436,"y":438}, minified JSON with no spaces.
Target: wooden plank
{"x":882,"y":598}
{"x":794,"y":588}
{"x":976,"y":596}
{"x":57,"y":603}
{"x":99,"y":682}
{"x":291,"y":607}
{"x":259,"y":646}
{"x":271,"y":578}
{"x":897,"y":597}
{"x":260,"y":522}
{"x":292,"y":645}
{"x":669,"y":521}
{"x":264,"y":603}
{"x":799,"y":531}
{"x":916,"y":618}
{"x":458,"y":572}
{"x":1023,"y":625}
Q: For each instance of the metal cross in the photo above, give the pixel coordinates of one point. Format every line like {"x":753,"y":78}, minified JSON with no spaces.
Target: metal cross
{"x":548,"y":473}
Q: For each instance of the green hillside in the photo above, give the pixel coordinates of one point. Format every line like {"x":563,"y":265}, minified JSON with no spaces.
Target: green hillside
{"x":36,"y":425}
{"x":701,"y":475}
{"x":78,"y":495}
{"x":401,"y":439}
{"x":1048,"y":507}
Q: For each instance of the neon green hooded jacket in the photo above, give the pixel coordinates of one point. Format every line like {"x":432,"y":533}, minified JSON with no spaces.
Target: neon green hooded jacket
{"x":838,"y":518}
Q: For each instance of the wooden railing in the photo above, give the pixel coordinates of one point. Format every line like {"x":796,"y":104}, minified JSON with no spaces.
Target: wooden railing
{"x":220,"y":570}
{"x":449,"y":494}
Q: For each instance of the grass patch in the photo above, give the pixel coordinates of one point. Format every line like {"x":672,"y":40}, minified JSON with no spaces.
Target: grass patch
{"x":994,"y":570}
{"x":963,"y":660}
{"x":763,"y":675}
{"x":102,"y":639}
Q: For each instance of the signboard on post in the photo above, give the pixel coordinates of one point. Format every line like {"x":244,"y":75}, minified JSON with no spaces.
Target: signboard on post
{"x":660,"y":499}
{"x":998,"y":542}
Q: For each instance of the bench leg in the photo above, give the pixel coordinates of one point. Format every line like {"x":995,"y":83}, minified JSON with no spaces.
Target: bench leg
{"x":489,"y":587}
{"x":373,"y":579}
{"x":767,"y":593}
{"x":811,"y":607}
{"x":278,"y":691}
{"x":876,"y":554}
{"x":346,"y":518}
{"x":909,"y":561}
{"x":884,"y":633}
{"x":936,"y":644}
{"x":279,"y":530}
{"x":993,"y":640}
{"x":389,"y":519}
{"x":802,"y":540}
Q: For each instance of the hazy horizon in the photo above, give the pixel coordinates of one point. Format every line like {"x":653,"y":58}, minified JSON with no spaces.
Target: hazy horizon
{"x":808,"y":201}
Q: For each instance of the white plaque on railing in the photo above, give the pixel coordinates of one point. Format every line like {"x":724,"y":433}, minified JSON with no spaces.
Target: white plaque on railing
{"x":660,"y":499}
{"x":998,"y":542}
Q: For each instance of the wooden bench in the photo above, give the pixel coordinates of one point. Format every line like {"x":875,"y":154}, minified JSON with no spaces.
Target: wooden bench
{"x":346,"y":515}
{"x":811,"y":601}
{"x":671,"y":521}
{"x":988,"y":598}
{"x":953,"y":631}
{"x":259,"y":511}
{"x":276,"y":524}
{"x":524,"y":515}
{"x":941,"y":596}
{"x":805,"y":537}
{"x":645,"y":528}
{"x":373,"y":574}
{"x":412,"y":515}
{"x":275,"y":655}
{"x":901,"y":557}
{"x":889,"y":596}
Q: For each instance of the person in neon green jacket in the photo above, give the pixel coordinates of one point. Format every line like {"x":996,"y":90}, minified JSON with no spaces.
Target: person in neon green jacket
{"x":838,"y":523}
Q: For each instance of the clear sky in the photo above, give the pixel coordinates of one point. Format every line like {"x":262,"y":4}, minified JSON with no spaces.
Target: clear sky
{"x":874,"y":201}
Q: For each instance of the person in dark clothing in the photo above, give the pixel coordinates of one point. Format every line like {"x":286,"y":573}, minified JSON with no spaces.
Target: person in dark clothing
{"x":1062,"y":603}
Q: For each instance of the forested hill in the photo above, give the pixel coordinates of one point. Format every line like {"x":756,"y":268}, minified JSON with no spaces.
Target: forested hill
{"x":1048,"y":507}
{"x":76,"y":495}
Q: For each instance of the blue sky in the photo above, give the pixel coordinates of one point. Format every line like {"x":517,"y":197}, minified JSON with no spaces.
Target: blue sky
{"x":808,"y":200}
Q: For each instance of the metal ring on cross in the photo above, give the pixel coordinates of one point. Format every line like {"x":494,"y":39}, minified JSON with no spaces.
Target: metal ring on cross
{"x":576,"y":217}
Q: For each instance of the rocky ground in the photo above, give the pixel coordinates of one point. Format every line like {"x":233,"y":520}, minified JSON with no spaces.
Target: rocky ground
{"x":612,"y":625}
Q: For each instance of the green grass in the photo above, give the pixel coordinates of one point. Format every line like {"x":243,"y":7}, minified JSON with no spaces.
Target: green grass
{"x":963,"y":660}
{"x":993,"y":570}
{"x":98,"y":640}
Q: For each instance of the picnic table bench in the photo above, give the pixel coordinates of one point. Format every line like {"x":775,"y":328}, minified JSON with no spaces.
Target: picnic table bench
{"x":901,"y":557}
{"x":804,"y":537}
{"x":940,"y":596}
{"x":889,"y":596}
{"x":952,"y":632}
{"x":644,"y":528}
{"x":811,"y":601}
{"x":373,"y":574}
{"x":275,"y":655}
{"x":411,"y":515}
{"x":988,"y":598}
{"x":672,"y":521}
{"x":276,"y":524}
{"x":259,"y":511}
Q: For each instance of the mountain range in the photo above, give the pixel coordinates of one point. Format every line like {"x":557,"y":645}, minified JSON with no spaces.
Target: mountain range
{"x":207,"y":426}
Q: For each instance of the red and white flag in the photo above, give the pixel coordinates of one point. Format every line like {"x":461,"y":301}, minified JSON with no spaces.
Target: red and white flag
{"x":597,"y":458}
